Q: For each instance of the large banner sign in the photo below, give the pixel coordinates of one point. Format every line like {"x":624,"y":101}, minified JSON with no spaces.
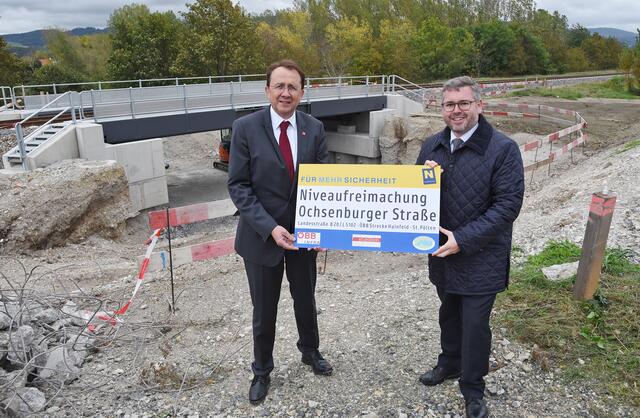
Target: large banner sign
{"x":368,"y":207}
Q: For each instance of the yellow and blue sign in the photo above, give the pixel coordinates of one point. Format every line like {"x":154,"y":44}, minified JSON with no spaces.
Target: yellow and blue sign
{"x":368,"y":207}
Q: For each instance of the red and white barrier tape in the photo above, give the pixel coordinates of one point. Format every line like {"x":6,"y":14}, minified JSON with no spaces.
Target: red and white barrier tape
{"x":91,"y":317}
{"x":568,"y":147}
{"x":510,"y":114}
{"x":153,"y":239}
{"x":554,"y":155}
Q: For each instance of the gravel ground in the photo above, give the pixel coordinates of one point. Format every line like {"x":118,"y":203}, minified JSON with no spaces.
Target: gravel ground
{"x":378,"y":326}
{"x":378,"y":316}
{"x":7,"y":141}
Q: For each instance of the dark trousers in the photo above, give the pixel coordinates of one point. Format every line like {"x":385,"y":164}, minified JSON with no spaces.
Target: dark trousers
{"x":264,"y":284}
{"x":465,"y":338}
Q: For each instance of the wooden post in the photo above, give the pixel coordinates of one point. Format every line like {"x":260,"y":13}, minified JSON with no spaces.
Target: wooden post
{"x":594,"y":245}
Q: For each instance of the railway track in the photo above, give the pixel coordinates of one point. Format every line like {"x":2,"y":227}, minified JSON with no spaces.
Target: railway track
{"x":518,"y":79}
{"x":39,"y":120}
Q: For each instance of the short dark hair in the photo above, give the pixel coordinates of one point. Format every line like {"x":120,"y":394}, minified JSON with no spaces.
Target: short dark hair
{"x":289,"y":65}
{"x":460,"y":82}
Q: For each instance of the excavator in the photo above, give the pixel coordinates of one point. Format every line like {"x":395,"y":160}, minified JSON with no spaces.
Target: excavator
{"x":223,"y":151}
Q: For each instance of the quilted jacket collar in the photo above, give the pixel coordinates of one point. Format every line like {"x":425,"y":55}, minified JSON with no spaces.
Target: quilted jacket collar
{"x":478,"y":142}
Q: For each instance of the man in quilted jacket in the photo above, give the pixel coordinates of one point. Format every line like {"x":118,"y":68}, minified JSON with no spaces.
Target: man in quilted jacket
{"x":481,"y":195}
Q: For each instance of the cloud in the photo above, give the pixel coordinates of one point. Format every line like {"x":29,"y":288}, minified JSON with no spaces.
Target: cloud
{"x":27,"y":15}
{"x":621,"y":14}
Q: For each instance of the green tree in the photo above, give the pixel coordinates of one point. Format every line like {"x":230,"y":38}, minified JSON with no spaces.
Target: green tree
{"x":517,"y":10}
{"x":494,"y":44}
{"x":12,"y":69}
{"x":144,"y":43}
{"x":94,"y":51}
{"x":81,"y":56}
{"x":577,"y":60}
{"x":528,"y":55}
{"x":395,"y":45}
{"x":351,"y":49}
{"x":55,"y":73}
{"x":442,"y":51}
{"x":291,"y":37}
{"x":552,"y":30}
{"x":458,"y":13}
{"x":630,"y":63}
{"x":603,"y":53}
{"x":64,"y":53}
{"x":220,"y":39}
{"x":576,"y":35}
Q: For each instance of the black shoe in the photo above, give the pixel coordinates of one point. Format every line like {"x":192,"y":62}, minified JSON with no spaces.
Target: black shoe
{"x":437,"y":375}
{"x":476,"y":408}
{"x":317,"y":362}
{"x":259,"y":388}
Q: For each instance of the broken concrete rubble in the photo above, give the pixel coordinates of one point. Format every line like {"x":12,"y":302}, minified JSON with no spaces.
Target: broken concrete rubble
{"x":65,"y":202}
{"x":402,"y":138}
{"x":34,"y":354}
{"x":25,"y":401}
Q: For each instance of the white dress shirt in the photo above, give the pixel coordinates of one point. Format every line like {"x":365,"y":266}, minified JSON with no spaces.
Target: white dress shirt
{"x":464,"y":137}
{"x":292,"y":132}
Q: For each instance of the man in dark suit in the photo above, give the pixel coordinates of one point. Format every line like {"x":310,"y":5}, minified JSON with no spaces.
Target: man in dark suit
{"x":266,"y":148}
{"x":481,"y":195}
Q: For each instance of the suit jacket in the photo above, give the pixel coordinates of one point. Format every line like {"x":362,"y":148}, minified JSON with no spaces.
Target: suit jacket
{"x":481,"y":195}
{"x":259,"y":183}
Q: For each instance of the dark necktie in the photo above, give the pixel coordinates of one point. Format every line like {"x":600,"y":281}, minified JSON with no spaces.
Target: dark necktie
{"x":457,"y":143}
{"x":285,"y":148}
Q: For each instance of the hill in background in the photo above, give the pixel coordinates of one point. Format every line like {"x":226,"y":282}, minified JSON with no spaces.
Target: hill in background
{"x":28,"y":42}
{"x":627,"y":38}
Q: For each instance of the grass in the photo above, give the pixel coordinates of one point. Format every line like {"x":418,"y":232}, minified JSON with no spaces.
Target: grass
{"x":611,"y":89}
{"x":630,"y":145}
{"x":599,"y":339}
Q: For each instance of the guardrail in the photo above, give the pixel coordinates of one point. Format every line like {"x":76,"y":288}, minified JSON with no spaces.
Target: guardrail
{"x":20,"y":132}
{"x":416,"y":93}
{"x":7,"y":97}
{"x":137,"y":102}
{"x":45,"y":91}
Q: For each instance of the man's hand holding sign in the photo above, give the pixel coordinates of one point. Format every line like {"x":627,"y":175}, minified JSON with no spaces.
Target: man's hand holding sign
{"x":451,"y":246}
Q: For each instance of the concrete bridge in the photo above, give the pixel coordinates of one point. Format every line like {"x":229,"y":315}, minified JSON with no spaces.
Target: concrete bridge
{"x":128,"y":124}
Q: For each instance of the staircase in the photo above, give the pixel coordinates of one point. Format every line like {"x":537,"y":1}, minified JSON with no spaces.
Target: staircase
{"x":13,"y":160}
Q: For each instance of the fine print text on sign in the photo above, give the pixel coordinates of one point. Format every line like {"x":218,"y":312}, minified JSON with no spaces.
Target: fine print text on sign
{"x":368,"y":207}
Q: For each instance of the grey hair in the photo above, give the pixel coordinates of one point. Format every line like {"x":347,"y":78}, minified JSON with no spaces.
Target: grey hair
{"x":463,"y":81}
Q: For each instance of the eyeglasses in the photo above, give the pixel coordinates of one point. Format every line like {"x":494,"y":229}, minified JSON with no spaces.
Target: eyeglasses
{"x":280,"y":87}
{"x":463,"y":105}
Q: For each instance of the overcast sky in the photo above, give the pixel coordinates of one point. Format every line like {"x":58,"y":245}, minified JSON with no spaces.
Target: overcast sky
{"x":18,"y":16}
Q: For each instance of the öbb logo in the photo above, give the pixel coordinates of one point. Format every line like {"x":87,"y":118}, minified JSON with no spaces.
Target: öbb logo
{"x":308,"y":238}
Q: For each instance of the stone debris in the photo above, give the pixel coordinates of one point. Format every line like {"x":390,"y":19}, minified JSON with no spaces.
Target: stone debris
{"x":25,"y":401}
{"x":33,"y":353}
{"x":402,"y":138}
{"x":560,"y":271}
{"x":63,"y":203}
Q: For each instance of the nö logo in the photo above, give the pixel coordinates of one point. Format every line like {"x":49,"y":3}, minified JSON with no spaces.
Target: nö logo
{"x":429,"y":175}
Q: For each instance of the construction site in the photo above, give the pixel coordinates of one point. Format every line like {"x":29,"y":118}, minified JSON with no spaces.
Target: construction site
{"x":79,"y":219}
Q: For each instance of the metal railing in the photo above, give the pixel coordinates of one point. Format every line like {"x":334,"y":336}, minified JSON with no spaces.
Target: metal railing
{"x":34,"y":97}
{"x":20,"y":132}
{"x":49,"y":92}
{"x":187,"y":98}
{"x":8,"y":99}
{"x":399,"y":85}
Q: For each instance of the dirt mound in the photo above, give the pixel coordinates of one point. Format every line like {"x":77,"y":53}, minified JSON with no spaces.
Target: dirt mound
{"x":402,"y":138}
{"x":65,"y":202}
